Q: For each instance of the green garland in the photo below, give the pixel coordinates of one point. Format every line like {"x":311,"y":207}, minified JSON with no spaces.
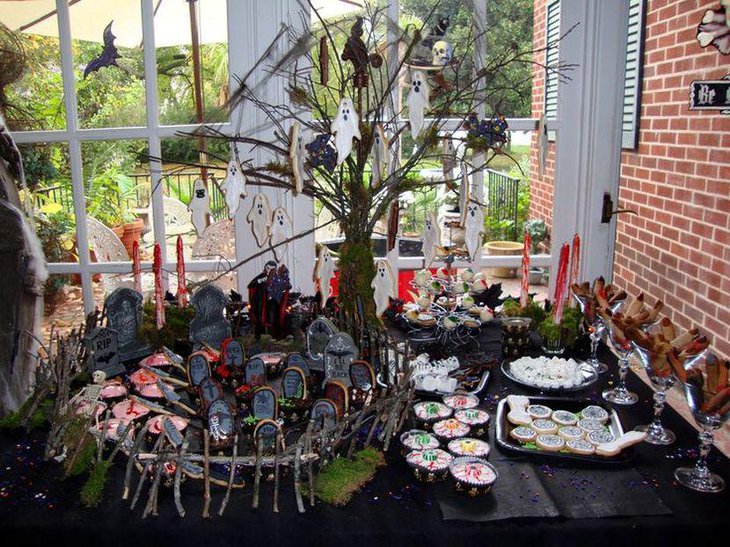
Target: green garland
{"x":176,"y":329}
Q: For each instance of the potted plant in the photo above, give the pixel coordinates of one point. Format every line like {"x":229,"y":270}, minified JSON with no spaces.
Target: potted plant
{"x":558,"y":336}
{"x":56,"y":230}
{"x":538,"y":231}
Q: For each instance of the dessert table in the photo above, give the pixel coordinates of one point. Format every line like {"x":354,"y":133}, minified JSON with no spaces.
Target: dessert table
{"x":534,"y":502}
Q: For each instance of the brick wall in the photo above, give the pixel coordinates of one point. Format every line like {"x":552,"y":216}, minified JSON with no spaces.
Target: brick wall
{"x":678,"y":248}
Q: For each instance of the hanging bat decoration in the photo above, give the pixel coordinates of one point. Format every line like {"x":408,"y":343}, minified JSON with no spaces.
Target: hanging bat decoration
{"x":109,"y":54}
{"x":324,"y":68}
{"x":393,"y":219}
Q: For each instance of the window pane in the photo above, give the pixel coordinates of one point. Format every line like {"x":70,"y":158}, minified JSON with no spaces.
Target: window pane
{"x":109,"y":82}
{"x":63,"y":304}
{"x":34,"y":86}
{"x":49,"y":179}
{"x":176,"y":77}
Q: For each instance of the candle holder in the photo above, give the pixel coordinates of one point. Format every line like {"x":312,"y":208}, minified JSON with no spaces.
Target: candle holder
{"x":620,"y":394}
{"x":595,"y":331}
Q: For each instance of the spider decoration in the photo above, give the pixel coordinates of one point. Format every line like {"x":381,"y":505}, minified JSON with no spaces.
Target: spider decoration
{"x":493,"y":132}
{"x":322,"y":153}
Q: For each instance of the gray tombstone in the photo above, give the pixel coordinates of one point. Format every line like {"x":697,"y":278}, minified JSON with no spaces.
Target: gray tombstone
{"x":210,"y":391}
{"x":293,"y":384}
{"x":324,"y":414}
{"x":319,"y":333}
{"x":220,"y":422}
{"x":232,"y":355}
{"x":264,"y":404}
{"x":362,"y":375}
{"x":297,"y":360}
{"x":266,"y":435}
{"x":104,"y":348}
{"x":338,"y":356}
{"x":124,"y":315}
{"x":198,"y":369}
{"x":209,"y":326}
{"x":255,"y":372}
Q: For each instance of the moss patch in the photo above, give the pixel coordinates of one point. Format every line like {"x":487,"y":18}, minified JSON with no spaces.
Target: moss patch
{"x":341,"y":478}
{"x":94,"y":486}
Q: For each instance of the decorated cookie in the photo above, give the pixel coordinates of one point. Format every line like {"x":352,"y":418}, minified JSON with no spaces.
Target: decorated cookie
{"x":539,"y":411}
{"x":469,"y":447}
{"x":588,"y":425}
{"x":523,"y":434}
{"x":601,"y":436}
{"x":563,"y":417}
{"x":544,"y":427}
{"x":461,"y":401}
{"x":594,"y":412}
{"x":474,"y":476}
{"x":450,"y":428}
{"x":580,"y":446}
{"x":518,"y":410}
{"x":550,"y":443}
{"x":570,"y":432}
{"x":624,"y":441}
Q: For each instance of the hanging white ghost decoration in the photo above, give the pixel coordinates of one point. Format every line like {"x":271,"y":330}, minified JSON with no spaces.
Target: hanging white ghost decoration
{"x":280,"y":230}
{"x":260,"y":218}
{"x":345,"y":126}
{"x":418,"y":101}
{"x":473,"y":229}
{"x":431,"y":238}
{"x":199,"y":206}
{"x":464,"y":191}
{"x":381,"y":155}
{"x":324,"y":273}
{"x":297,"y":156}
{"x":234,"y":187}
{"x":382,"y":286}
{"x":448,"y":157}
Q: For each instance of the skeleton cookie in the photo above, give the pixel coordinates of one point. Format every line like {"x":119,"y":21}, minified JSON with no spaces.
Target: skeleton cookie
{"x":345,"y":126}
{"x":280,"y":230}
{"x":297,"y":156}
{"x":473,"y":229}
{"x":324,"y":273}
{"x":431,"y":238}
{"x":199,"y":206}
{"x":417,"y":101}
{"x":260,"y":218}
{"x":381,"y":155}
{"x":382,"y":285}
{"x":234,"y":187}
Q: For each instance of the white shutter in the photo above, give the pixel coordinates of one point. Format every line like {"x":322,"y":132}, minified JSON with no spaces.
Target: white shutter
{"x":632,"y":81}
{"x":552,"y":32}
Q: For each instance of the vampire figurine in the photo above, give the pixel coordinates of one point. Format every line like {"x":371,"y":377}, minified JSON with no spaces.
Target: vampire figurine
{"x":268,"y":295}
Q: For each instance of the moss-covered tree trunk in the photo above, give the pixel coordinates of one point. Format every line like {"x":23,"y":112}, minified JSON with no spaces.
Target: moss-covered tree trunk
{"x":357,"y":271}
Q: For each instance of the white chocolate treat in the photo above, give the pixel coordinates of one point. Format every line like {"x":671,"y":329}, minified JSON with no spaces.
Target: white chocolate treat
{"x":467,"y":274}
{"x":431,"y":238}
{"x":442,"y":273}
{"x":602,"y":436}
{"x":563,"y":417}
{"x":422,"y":277}
{"x":594,"y":412}
{"x":199,"y":206}
{"x":580,"y":446}
{"x":550,"y":443}
{"x":547,"y":373}
{"x":324,"y":273}
{"x":345,"y":127}
{"x":539,"y":411}
{"x":260,"y":218}
{"x":544,"y":427}
{"x":234,"y":187}
{"x":473,"y":229}
{"x":523,"y":434}
{"x":568,"y":432}
{"x":281,"y":228}
{"x":382,"y":286}
{"x":418,"y":102}
{"x":624,"y":441}
{"x":478,"y":286}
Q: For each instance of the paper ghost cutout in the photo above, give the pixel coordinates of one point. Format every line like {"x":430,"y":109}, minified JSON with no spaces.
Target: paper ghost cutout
{"x":280,"y":230}
{"x":297,"y":156}
{"x":431,"y":238}
{"x":345,"y":126}
{"x":324,"y":273}
{"x":199,"y":206}
{"x":381,"y":156}
{"x":473,"y":229}
{"x":260,"y":218}
{"x":382,"y":286}
{"x":448,"y":157}
{"x":234,"y":187}
{"x":418,"y":102}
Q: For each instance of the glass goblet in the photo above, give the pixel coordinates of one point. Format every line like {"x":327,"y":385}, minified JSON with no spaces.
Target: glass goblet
{"x":595,"y":331}
{"x":656,"y":432}
{"x":699,"y":477}
{"x":620,"y":394}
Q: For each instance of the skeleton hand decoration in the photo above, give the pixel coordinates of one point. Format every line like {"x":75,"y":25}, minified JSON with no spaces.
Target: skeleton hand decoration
{"x":382,"y":286}
{"x":260,"y":218}
{"x":345,"y":126}
{"x":431,"y":238}
{"x":381,"y":155}
{"x":234,"y":187}
{"x":324,"y":273}
{"x":473,"y":229}
{"x":199,"y":206}
{"x":418,"y":101}
{"x":297,"y":156}
{"x":280,"y":231}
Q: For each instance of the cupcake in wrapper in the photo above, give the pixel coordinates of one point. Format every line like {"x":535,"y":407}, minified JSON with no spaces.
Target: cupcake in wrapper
{"x":473,"y":476}
{"x":428,"y":412}
{"x":469,"y":447}
{"x":430,"y":465}
{"x":460,"y":401}
{"x":415,"y":439}
{"x":449,"y":429}
{"x":476,"y":419}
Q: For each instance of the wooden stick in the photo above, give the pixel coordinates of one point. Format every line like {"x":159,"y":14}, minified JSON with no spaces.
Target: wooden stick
{"x":279,"y":441}
{"x":231,"y":476}
{"x":355,"y":429}
{"x":206,"y":474}
{"x":297,"y":475}
{"x":257,"y":476}
{"x":310,"y":472}
{"x":143,"y":475}
{"x":151,"y":506}
{"x":130,"y":461}
{"x":178,"y":475}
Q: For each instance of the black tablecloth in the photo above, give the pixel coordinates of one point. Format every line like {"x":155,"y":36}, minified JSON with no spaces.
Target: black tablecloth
{"x":394,"y":509}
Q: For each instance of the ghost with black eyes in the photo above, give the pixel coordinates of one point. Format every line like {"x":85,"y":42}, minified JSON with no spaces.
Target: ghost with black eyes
{"x":280,"y":230}
{"x":199,"y":206}
{"x":418,"y":102}
{"x":473,"y":229}
{"x":431,"y":238}
{"x":345,"y":127}
{"x":234,"y":187}
{"x":381,"y":155}
{"x":382,"y":286}
{"x":324,"y":273}
{"x":259,"y":216}
{"x":297,"y":156}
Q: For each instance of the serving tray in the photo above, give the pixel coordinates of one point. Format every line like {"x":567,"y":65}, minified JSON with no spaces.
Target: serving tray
{"x":504,"y":441}
{"x":589,"y":374}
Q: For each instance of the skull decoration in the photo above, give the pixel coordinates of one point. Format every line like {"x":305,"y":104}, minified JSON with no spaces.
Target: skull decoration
{"x":442,"y":53}
{"x":99,"y":376}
